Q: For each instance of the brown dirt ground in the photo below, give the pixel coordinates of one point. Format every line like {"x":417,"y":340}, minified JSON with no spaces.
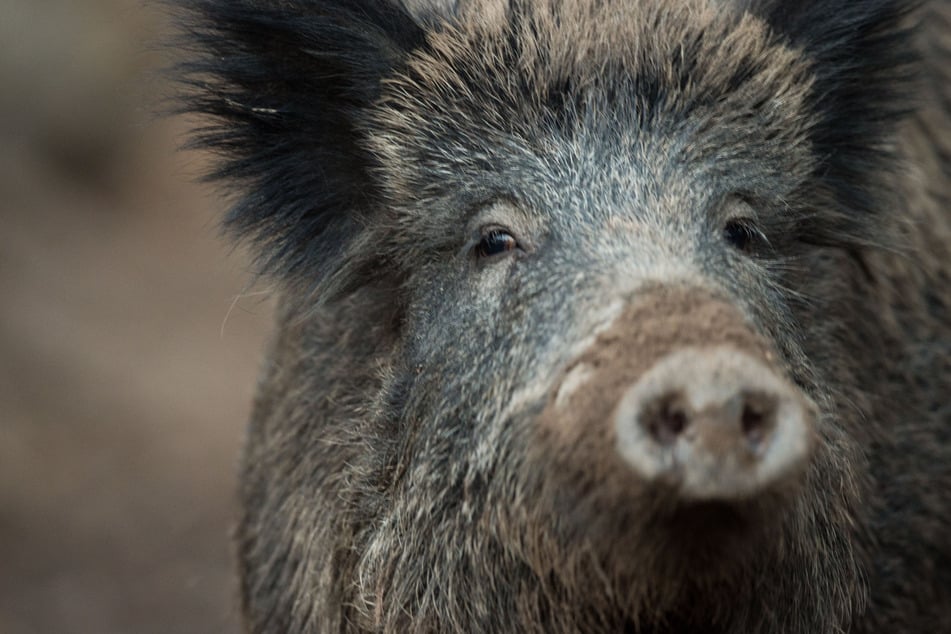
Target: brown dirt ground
{"x":123,"y":387}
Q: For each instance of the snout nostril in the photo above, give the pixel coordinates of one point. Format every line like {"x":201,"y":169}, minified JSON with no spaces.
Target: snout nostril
{"x":715,"y":423}
{"x":752,"y":424}
{"x":666,"y":419}
{"x":758,"y":417}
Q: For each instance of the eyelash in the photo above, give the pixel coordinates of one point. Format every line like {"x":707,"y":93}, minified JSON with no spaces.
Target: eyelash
{"x":741,"y":231}
{"x":739,"y":234}
{"x":495,"y":242}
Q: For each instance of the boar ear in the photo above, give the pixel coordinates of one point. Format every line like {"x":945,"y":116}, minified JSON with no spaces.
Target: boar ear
{"x":863,"y":58}
{"x":281,"y":87}
{"x":862,"y":51}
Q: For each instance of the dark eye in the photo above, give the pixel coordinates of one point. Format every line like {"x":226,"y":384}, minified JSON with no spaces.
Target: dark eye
{"x":742,"y":234}
{"x":496,"y":242}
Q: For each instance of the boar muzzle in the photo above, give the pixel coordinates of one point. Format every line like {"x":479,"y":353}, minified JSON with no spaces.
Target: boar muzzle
{"x":680,"y":393}
{"x":715,"y":423}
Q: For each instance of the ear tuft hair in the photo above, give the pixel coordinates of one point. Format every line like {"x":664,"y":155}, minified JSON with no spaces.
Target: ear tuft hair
{"x":865,"y":65}
{"x":281,"y":87}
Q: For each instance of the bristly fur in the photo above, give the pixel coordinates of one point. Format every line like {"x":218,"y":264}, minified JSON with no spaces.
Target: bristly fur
{"x":866,"y":80}
{"x":285,"y":88}
{"x":398,"y":475}
{"x":282,"y":86}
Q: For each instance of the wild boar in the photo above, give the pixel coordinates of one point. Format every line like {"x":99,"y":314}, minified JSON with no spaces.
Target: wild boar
{"x":605,"y":315}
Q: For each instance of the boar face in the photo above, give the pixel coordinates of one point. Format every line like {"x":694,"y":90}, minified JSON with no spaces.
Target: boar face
{"x":602,"y":237}
{"x":581,"y":200}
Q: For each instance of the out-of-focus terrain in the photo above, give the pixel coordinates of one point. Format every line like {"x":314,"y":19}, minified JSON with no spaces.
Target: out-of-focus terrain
{"x":123,"y":387}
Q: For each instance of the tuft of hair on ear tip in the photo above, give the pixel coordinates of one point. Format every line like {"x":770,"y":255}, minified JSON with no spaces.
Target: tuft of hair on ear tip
{"x":280,"y":90}
{"x":866,"y":73}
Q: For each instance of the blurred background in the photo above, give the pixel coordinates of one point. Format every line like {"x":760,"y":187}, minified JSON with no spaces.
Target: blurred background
{"x":129,"y":337}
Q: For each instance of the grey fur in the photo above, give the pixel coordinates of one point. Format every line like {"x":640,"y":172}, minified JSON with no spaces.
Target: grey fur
{"x":395,"y":478}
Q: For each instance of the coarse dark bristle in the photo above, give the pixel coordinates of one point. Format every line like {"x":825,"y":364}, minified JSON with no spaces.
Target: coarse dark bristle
{"x":284,"y":86}
{"x":865,"y":81}
{"x":280,"y":87}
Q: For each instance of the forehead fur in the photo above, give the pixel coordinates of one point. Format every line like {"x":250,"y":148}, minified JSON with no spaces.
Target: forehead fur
{"x":327,"y":116}
{"x":517,"y":72}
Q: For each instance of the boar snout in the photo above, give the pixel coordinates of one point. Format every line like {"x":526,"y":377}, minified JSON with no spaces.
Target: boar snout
{"x":681,"y":394}
{"x":715,"y":423}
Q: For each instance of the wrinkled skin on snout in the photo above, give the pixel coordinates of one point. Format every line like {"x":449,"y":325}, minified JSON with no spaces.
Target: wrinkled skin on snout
{"x":595,"y":316}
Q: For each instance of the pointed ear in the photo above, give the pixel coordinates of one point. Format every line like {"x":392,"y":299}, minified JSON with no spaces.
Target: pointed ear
{"x":865,"y":73}
{"x":281,"y":88}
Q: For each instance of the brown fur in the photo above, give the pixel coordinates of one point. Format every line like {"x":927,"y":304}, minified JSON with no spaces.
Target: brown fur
{"x":401,"y":471}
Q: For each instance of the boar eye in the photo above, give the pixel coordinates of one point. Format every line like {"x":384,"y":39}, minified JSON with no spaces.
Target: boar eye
{"x":496,"y":242}
{"x":743,"y":235}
